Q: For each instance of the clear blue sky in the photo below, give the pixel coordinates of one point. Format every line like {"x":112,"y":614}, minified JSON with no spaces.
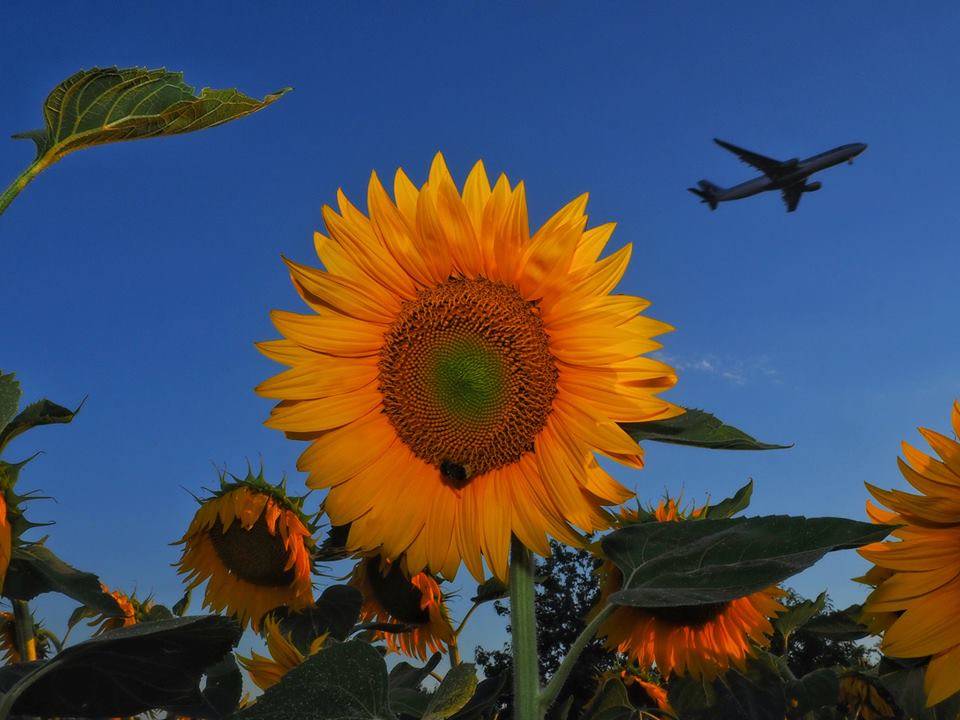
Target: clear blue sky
{"x":141,"y":274}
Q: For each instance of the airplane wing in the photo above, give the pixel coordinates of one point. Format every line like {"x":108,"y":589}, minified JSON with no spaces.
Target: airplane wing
{"x":791,"y":196}
{"x":768,"y":166}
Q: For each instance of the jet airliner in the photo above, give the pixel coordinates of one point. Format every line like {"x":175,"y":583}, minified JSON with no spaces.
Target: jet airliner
{"x":787,"y":176}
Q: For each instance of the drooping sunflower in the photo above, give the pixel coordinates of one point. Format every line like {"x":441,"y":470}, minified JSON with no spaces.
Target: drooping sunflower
{"x":130,"y":608}
{"x":700,"y":640}
{"x":476,"y":367}
{"x":861,"y":699}
{"x":6,"y":539}
{"x":918,"y":592}
{"x":253,"y":544}
{"x":10,"y":651}
{"x":266,"y":672}
{"x":390,"y":597}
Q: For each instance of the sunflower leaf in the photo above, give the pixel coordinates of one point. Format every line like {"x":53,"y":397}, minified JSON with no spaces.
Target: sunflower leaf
{"x":484,"y":699}
{"x":126,"y":671}
{"x":35,"y":570}
{"x":220,"y":695}
{"x":697,"y":428}
{"x":42,"y":412}
{"x":754,"y":693}
{"x":906,"y":686}
{"x":336,"y":612}
{"x":798,"y":616}
{"x":405,"y":675}
{"x":490,"y":589}
{"x":9,"y":398}
{"x":711,"y":561}
{"x":731,"y":505}
{"x":839,"y":625}
{"x":612,"y":693}
{"x":345,"y":680}
{"x":813,"y":691}
{"x":458,"y":686}
{"x":107,"y":105}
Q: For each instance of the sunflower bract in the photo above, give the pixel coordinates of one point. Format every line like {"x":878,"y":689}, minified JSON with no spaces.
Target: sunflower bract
{"x":456,"y":375}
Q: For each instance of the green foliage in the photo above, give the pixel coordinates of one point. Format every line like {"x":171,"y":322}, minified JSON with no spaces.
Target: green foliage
{"x":336,"y":612}
{"x":34,"y":570}
{"x":346,"y":680}
{"x":9,"y":398}
{"x":42,"y":412}
{"x":811,"y":692}
{"x":696,"y":563}
{"x":126,"y":671}
{"x":458,"y":686}
{"x":799,"y":615}
{"x":757,"y":693}
{"x":839,"y":624}
{"x":730,"y":506}
{"x":697,"y":428}
{"x":903,"y":679}
{"x":106,"y":105}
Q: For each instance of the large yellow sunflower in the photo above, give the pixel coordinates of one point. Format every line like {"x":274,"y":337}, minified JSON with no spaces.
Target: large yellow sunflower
{"x":456,"y":375}
{"x":266,"y":672}
{"x":702,"y":640}
{"x":918,"y":589}
{"x":390,"y":597}
{"x":253,"y":544}
{"x":6,"y":539}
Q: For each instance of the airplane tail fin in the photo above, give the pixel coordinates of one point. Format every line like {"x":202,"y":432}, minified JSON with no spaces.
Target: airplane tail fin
{"x":707,"y":192}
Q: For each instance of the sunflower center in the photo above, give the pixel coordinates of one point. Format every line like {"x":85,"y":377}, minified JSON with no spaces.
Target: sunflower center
{"x":467,"y":377}
{"x":254,"y":555}
{"x":689,"y":616}
{"x":397,"y":595}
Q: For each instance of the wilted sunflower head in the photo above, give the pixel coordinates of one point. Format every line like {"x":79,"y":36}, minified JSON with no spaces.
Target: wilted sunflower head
{"x":389,"y":596}
{"x":266,"y":672}
{"x":699,"y":640}
{"x":917,"y":575}
{"x":861,"y":699}
{"x":132,"y":611}
{"x":253,"y":545}
{"x":477,"y":367}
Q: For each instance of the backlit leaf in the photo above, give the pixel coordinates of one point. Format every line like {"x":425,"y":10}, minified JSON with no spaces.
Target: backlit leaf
{"x":42,"y":412}
{"x":697,"y":428}
{"x":708,"y":561}
{"x":731,"y":505}
{"x":454,"y":692}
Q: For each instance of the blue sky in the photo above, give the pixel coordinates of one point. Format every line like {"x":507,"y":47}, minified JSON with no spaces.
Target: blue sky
{"x":140,"y":274}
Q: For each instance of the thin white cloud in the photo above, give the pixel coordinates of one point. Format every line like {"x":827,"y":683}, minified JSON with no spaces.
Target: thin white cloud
{"x":733,"y":370}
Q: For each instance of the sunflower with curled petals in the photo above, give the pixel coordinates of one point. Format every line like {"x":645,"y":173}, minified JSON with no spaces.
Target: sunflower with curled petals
{"x":642,"y":693}
{"x":477,"y":367}
{"x":265,"y":671}
{"x":917,"y":591}
{"x":862,"y":699}
{"x":703,"y":641}
{"x":132,"y":611}
{"x":252,"y":544}
{"x":389,"y":596}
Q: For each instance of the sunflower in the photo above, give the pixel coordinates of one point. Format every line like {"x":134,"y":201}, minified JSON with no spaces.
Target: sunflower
{"x":6,"y":539}
{"x":9,"y":650}
{"x":266,"y":672}
{"x":919,"y":579}
{"x":390,"y":597}
{"x":476,"y":367}
{"x":861,"y":699}
{"x":643,"y":693}
{"x":699,"y":640}
{"x":253,"y":544}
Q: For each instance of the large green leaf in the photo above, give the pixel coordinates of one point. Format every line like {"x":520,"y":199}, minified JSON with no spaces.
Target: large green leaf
{"x":699,"y":429}
{"x":126,"y":671}
{"x":346,"y":681}
{"x":34,"y":570}
{"x":106,"y":105}
{"x":458,"y":686}
{"x":405,"y":675}
{"x":709,"y":561}
{"x":9,"y":398}
{"x":336,"y":612}
{"x":816,"y":689}
{"x":905,"y":684}
{"x":220,"y":695}
{"x":42,"y":412}
{"x":798,"y":616}
{"x":484,"y":700}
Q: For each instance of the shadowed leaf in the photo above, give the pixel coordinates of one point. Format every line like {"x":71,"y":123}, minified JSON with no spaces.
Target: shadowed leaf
{"x":699,"y":429}
{"x":458,"y":686}
{"x":221,"y":692}
{"x":484,"y":700}
{"x":335,"y":612}
{"x":126,"y":671}
{"x":42,"y":412}
{"x":838,"y":625}
{"x":35,"y":570}
{"x":813,"y":691}
{"x":405,"y":675}
{"x":9,"y":399}
{"x":905,"y":684}
{"x":491,"y":589}
{"x":756,"y":693}
{"x":799,"y":615}
{"x":347,"y":680}
{"x":708,"y":561}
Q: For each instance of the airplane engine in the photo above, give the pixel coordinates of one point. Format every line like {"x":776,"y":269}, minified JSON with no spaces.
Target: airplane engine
{"x":812,"y":187}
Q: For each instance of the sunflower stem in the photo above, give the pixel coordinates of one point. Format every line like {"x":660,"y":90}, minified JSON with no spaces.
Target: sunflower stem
{"x":555,"y":685}
{"x":20,"y":182}
{"x":523,"y":634}
{"x":23,"y":624}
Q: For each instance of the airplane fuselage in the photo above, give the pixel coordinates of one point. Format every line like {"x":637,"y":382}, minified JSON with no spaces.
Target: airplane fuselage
{"x":803,"y":170}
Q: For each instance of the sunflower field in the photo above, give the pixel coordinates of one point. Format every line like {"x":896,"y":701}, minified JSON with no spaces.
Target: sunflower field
{"x":464,"y":387}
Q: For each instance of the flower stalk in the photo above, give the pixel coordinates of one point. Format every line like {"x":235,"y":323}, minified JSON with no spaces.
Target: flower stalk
{"x":23,"y":624}
{"x":21,"y":181}
{"x":523,"y":634}
{"x":555,"y":685}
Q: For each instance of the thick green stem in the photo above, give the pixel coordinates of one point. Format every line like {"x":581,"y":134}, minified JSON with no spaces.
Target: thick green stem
{"x":523,"y":634}
{"x":22,"y":180}
{"x":23,"y":625}
{"x":555,"y":685}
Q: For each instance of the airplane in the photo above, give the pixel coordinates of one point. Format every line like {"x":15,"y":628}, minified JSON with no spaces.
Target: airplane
{"x":787,"y":176}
